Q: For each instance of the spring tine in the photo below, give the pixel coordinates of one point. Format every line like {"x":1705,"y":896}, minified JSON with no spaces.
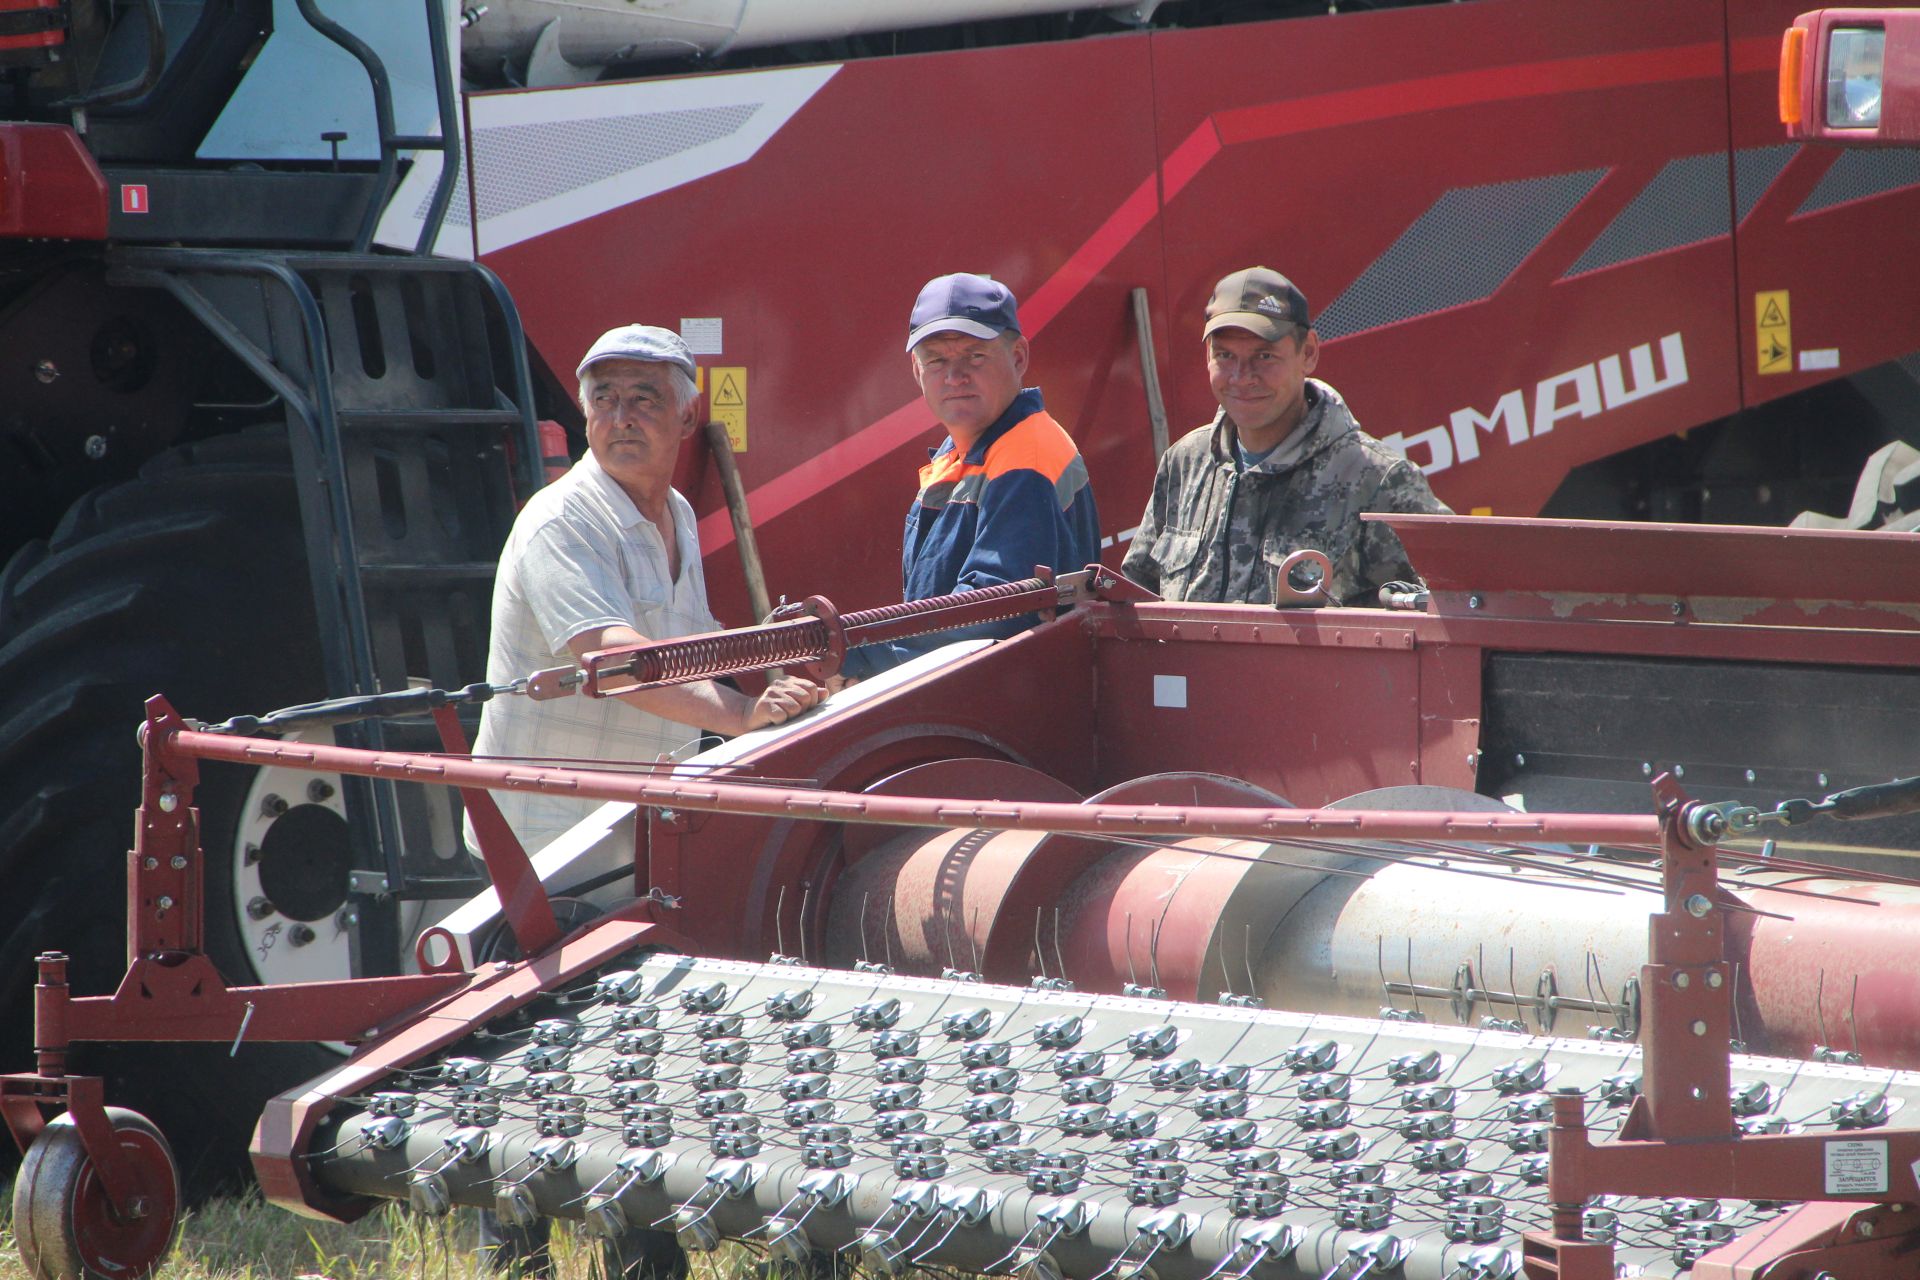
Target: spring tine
{"x":1014,"y":1252}
{"x":1853,"y":1024}
{"x":952,"y":1226}
{"x":1059,"y":960}
{"x":806,"y":895}
{"x":1819,"y":1004}
{"x":1153,"y":949}
{"x":1246,"y":955}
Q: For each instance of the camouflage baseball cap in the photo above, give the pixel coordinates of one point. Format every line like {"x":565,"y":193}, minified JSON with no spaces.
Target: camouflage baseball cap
{"x":1259,"y":300}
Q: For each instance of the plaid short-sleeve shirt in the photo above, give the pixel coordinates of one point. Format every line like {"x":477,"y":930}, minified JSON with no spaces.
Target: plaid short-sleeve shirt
{"x":582,"y":556}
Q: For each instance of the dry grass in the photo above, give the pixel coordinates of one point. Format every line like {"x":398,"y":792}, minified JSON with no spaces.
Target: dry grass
{"x":246,"y":1239}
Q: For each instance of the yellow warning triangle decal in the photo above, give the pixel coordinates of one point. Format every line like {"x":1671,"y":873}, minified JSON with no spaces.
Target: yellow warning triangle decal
{"x":727,"y":393}
{"x":1772,"y":315}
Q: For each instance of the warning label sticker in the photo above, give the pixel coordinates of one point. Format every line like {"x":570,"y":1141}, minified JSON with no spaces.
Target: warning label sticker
{"x":1773,"y":323}
{"x":1856,"y":1167}
{"x":727,"y":399}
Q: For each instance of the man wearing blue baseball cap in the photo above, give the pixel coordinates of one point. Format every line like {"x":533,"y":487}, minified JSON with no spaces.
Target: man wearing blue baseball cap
{"x":1007,"y":491}
{"x":609,"y":555}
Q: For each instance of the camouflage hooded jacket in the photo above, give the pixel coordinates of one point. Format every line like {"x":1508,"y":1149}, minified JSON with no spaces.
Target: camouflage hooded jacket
{"x":1215,"y":532}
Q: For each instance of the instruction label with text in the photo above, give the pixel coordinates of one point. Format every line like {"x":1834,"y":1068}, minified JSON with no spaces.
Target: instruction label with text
{"x":1856,"y":1167}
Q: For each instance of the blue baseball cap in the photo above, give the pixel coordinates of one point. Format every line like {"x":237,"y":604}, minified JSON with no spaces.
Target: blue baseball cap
{"x":646,"y":342}
{"x":963,"y":303}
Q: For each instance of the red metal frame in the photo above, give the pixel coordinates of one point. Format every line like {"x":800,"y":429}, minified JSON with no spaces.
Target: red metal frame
{"x":1679,"y":1137}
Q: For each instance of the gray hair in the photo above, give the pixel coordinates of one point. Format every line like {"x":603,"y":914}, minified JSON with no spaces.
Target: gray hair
{"x":686,"y":391}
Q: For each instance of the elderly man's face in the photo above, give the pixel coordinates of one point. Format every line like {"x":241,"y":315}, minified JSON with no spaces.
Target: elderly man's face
{"x":635,"y":422}
{"x":968,"y":382}
{"x":1261,"y":384}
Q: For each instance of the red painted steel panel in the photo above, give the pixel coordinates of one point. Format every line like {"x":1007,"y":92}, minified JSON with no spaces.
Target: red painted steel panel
{"x":1733,"y":561}
{"x":1310,"y":724}
{"x":50,"y":187}
{"x":1442,"y":100}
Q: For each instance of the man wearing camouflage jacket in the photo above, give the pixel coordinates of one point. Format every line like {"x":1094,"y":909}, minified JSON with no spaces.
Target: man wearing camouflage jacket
{"x":1283,"y":466}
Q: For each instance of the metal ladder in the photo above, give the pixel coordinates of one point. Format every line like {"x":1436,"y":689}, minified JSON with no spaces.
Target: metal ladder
{"x":410,"y":421}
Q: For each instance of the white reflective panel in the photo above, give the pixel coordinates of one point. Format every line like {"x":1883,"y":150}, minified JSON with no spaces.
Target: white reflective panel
{"x":1855,"y":59}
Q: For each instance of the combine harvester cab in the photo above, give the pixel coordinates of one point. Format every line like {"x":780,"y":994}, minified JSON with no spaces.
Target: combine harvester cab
{"x":1163,"y":939}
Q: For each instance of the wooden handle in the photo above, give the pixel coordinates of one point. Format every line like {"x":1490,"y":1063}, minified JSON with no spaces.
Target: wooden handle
{"x":730,"y":485}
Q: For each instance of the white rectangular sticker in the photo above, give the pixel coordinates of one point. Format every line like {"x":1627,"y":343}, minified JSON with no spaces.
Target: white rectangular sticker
{"x":1820,"y":358}
{"x":1169,"y":691}
{"x":702,"y":335}
{"x":1855,"y":1167}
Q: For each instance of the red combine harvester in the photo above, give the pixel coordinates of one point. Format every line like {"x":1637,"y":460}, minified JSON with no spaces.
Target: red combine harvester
{"x":1062,"y":982}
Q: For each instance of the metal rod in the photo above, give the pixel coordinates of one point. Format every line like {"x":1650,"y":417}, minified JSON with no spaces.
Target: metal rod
{"x":706,"y":796}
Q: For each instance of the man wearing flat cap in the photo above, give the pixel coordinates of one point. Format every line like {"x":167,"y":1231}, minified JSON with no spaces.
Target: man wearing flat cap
{"x":609,"y":555}
{"x":1006,"y":491}
{"x":1282,"y":466}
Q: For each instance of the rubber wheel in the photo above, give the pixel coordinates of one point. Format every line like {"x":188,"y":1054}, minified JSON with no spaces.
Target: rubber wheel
{"x":62,"y":1220}
{"x":189,"y":580}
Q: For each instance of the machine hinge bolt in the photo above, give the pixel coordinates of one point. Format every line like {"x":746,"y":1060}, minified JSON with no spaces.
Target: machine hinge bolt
{"x":1698,"y":905}
{"x":1679,"y":608}
{"x":1679,"y":771}
{"x":273,"y":806}
{"x":1682,"y":980}
{"x":1865,"y":1227}
{"x":1750,"y":775}
{"x":259,"y":908}
{"x":163,"y":903}
{"x":348,"y":917}
{"x":1715,"y":981}
{"x":300,"y":935}
{"x":1473,"y":602}
{"x":149,"y":863}
{"x":669,"y":815}
{"x":178,"y":862}
{"x":96,"y":447}
{"x":46,"y":371}
{"x":1519,"y":760}
{"x":1473,"y":759}
{"x":1699,"y":1028}
{"x":169,"y":802}
{"x":251,"y":855}
{"x":1646,"y":769}
{"x":319,"y":791}
{"x":1821,"y":779}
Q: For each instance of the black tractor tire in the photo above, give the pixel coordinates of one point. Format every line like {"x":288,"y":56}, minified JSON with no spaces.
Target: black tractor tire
{"x":189,"y":580}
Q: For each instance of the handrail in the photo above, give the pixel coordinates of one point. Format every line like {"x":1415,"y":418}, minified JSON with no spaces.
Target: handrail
{"x":391,"y":142}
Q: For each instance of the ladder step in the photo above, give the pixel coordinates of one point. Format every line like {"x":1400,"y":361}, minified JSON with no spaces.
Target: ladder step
{"x":425,"y":419}
{"x":387,"y":577}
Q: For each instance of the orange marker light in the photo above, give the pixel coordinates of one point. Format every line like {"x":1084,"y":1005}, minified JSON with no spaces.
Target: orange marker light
{"x":1793,"y":52}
